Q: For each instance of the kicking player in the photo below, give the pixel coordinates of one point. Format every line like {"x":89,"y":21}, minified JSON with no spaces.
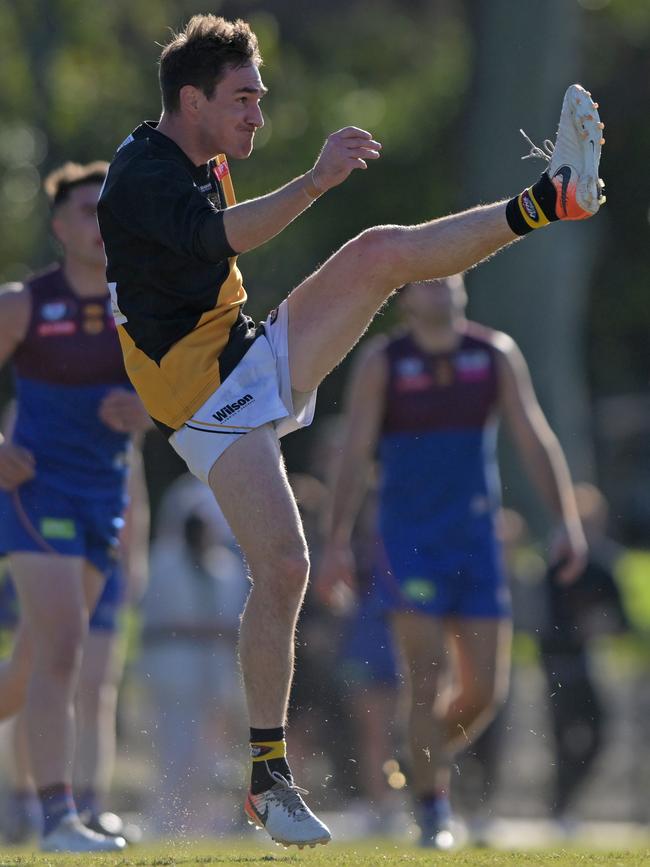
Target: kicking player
{"x":429,"y":400}
{"x":224,"y":390}
{"x":62,"y":485}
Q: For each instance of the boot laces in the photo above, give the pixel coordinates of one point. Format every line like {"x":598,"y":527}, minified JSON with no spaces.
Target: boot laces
{"x":289,"y":796}
{"x":543,"y":153}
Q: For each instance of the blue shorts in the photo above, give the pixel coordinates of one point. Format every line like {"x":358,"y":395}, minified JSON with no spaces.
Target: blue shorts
{"x":465,"y":582}
{"x":104,"y":618}
{"x":367,"y":654}
{"x":39,"y":518}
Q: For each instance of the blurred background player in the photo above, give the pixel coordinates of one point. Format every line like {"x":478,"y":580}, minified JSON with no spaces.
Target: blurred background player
{"x":190,"y":622}
{"x":96,"y":700}
{"x":429,"y":399}
{"x":575,"y":616}
{"x":345,"y":675}
{"x":62,"y":478}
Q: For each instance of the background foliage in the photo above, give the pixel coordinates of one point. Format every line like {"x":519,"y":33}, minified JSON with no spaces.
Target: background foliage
{"x":78,"y":76}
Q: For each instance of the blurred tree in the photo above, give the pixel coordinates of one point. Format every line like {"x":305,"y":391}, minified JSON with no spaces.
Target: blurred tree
{"x":537,"y":290}
{"x":78,"y":75}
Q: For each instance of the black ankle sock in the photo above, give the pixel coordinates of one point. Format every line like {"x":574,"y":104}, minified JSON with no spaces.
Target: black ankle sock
{"x":533,"y":208}
{"x":271,"y":743}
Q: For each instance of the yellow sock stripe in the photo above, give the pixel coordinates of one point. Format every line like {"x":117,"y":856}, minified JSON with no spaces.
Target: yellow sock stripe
{"x":541,"y":219}
{"x":262,"y":751}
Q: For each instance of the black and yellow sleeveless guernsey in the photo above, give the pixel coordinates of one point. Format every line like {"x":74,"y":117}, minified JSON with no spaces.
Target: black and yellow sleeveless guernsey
{"x":176,"y":289}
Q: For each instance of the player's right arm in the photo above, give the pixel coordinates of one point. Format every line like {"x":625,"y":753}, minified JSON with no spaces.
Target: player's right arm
{"x":157,"y":200}
{"x":253,"y":223}
{"x":16,"y":463}
{"x":364,"y":410}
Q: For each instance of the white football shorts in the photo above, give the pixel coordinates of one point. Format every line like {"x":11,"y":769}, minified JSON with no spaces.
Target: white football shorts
{"x":256,"y":392}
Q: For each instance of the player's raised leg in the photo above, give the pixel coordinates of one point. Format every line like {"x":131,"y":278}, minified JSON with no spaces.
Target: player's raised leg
{"x":330,"y":310}
{"x":250,"y":483}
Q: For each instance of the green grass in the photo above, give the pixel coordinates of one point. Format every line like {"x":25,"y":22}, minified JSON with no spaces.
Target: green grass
{"x":370,"y":853}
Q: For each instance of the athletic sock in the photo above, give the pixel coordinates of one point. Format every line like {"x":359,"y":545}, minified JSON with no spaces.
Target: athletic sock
{"x":533,"y":208}
{"x":435,"y":805}
{"x":269,"y":755}
{"x":23,"y":809}
{"x":87,"y":802}
{"x":56,"y":802}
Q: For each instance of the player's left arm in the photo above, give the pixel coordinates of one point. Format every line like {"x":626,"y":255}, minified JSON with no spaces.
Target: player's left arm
{"x":123,"y":411}
{"x":135,"y":534}
{"x":542,"y":456}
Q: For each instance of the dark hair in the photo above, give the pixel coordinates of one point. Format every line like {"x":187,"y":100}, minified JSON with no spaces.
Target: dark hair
{"x":59,"y":183}
{"x":200,"y":54}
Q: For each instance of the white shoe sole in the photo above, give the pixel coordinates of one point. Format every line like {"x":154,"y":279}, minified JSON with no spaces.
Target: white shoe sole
{"x":583,"y":154}
{"x":321,"y":841}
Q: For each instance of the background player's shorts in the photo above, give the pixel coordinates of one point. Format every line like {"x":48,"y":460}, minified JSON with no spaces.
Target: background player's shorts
{"x":103,"y":618}
{"x":257,"y":391}
{"x":39,"y":518}
{"x":367,"y":654}
{"x":467,"y":583}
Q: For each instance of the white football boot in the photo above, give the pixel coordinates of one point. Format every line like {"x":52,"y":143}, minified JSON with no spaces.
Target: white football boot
{"x":574,"y":158}
{"x":282,"y":812}
{"x":71,"y":836}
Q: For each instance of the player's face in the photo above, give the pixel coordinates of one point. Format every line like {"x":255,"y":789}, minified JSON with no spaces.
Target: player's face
{"x":435,"y":301}
{"x":75,"y":226}
{"x":229,"y":120}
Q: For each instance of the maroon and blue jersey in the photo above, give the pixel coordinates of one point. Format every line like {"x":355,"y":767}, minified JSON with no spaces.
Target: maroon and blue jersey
{"x":439,"y":489}
{"x":68,"y":361}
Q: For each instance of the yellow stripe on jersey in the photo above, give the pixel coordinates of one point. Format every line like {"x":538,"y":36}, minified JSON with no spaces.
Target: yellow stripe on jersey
{"x":223,"y":173}
{"x":188,"y":373}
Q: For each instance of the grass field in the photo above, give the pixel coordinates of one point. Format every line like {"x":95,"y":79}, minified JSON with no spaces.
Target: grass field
{"x":379,"y":853}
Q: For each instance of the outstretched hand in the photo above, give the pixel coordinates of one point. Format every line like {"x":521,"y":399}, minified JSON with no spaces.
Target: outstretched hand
{"x":122,"y":411}
{"x":335,"y":583}
{"x":568,"y":553}
{"x":343,"y":152}
{"x":17,"y":465}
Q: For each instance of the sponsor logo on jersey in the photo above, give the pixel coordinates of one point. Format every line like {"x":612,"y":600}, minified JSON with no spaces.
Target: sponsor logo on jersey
{"x":473,"y":366}
{"x":231,"y":408}
{"x":221,"y":170}
{"x":444,"y":373}
{"x":411,"y":375}
{"x":53,"y":311}
{"x":93,"y":324}
{"x":56,"y":329}
{"x":58,"y":528}
{"x":419,"y":590}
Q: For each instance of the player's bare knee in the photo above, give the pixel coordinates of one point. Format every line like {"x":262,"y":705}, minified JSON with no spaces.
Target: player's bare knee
{"x":284,"y":574}
{"x":383,"y":257}
{"x":293,"y":571}
{"x":480,"y":703}
{"x":62,"y":657}
{"x":425,"y":687}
